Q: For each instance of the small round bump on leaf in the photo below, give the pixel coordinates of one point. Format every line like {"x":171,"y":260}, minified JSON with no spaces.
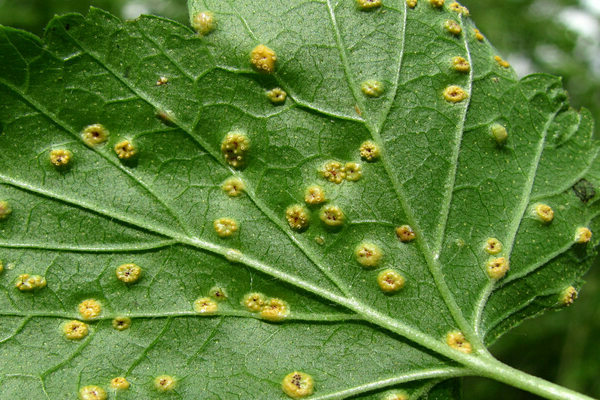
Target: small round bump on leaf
{"x":217,"y":293}
{"x":353,"y":171}
{"x":204,"y":22}
{"x":314,"y":195}
{"x":89,"y":309}
{"x":332,"y":215}
{"x":456,"y":7}
{"x":75,"y":330}
{"x":497,"y":268}
{"x":297,"y":385}
{"x":411,"y":3}
{"x":333,"y":171}
{"x":544,"y":213}
{"x":372,"y":88}
{"x":125,"y":150}
{"x":263,"y":59}
{"x":453,"y":27}
{"x":28,"y":283}
{"x":437,"y":3}
{"x":61,"y":158}
{"x":368,"y":254}
{"x":297,"y":217}
{"x":225,"y":227}
{"x":121,"y":323}
{"x":455,"y":94}
{"x":461,"y":64}
{"x":128,"y":273}
{"x":583,"y":235}
{"x":457,"y":341}
{"x":501,"y":62}
{"x":368,"y":4}
{"x":233,"y":186}
{"x":275,"y":310}
{"x":568,"y":296}
{"x":5,"y":209}
{"x":478,"y":35}
{"x":92,"y":392}
{"x":405,"y":233}
{"x":163,"y":80}
{"x":369,"y":151}
{"x":396,"y":395}
{"x":205,"y":305}
{"x":499,"y":134}
{"x":233,"y":255}
{"x":94,"y":135}
{"x":165,"y":383}
{"x":235,"y":147}
{"x":119,"y":383}
{"x":254,"y":302}
{"x":390,"y":281}
{"x":493,"y":246}
{"x":277,"y":95}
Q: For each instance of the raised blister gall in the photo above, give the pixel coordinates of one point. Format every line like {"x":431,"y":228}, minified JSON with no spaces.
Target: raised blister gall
{"x":314,"y":195}
{"x":75,"y":330}
{"x":254,"y":301}
{"x":396,"y":395}
{"x":332,"y":215}
{"x":5,"y":209}
{"x":478,"y":35}
{"x":89,"y":309}
{"x":121,"y":323}
{"x":218,"y":293}
{"x":456,"y":7}
{"x":501,"y":62}
{"x":125,"y":150}
{"x":333,"y":171}
{"x":128,"y":273}
{"x":453,"y":27}
{"x":92,"y":392}
{"x":275,"y":310}
{"x":372,"y":88}
{"x":369,"y":151}
{"x":94,"y":135}
{"x":28,"y":283}
{"x":461,"y":64}
{"x":405,"y":233}
{"x":205,"y":305}
{"x":436,"y":3}
{"x":61,"y":158}
{"x":277,"y":95}
{"x":297,"y":217}
{"x":568,"y":296}
{"x":163,"y":80}
{"x":493,"y":246}
{"x":390,"y":281}
{"x":204,"y":22}
{"x":368,"y":4}
{"x":497,"y":268}
{"x":457,"y":341}
{"x":544,"y":213}
{"x":233,"y":186}
{"x":235,"y":147}
{"x":225,"y":227}
{"x":165,"y":383}
{"x":583,"y":235}
{"x":263,"y":59}
{"x":297,"y":385}
{"x":499,"y":134}
{"x":353,"y":171}
{"x":411,"y":3}
{"x":455,"y":94}
{"x":368,"y":254}
{"x":119,"y":383}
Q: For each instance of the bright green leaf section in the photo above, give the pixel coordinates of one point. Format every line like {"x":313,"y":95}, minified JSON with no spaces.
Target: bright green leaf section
{"x":439,"y":171}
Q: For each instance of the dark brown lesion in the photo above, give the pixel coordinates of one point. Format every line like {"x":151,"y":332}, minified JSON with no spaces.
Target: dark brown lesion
{"x":584,"y":190}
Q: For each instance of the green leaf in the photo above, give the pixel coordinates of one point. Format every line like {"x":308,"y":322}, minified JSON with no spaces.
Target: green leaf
{"x":440,"y":171}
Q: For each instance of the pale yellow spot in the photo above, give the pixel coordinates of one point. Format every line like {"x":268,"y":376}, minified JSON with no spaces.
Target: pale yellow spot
{"x":369,"y":151}
{"x":254,"y":301}
{"x":353,"y":171}
{"x":204,"y":22}
{"x":1,"y":266}
{"x":396,"y":395}
{"x":411,"y":3}
{"x":456,"y":7}
{"x":320,"y":240}
{"x":499,"y":133}
{"x":405,"y":233}
{"x":225,"y":227}
{"x":455,"y":94}
{"x":372,"y":88}
{"x":297,"y":385}
{"x":128,"y":273}
{"x":568,"y":296}
{"x":368,"y":4}
{"x":275,"y":310}
{"x":501,"y":62}
{"x":165,"y":383}
{"x":368,"y":254}
{"x":436,"y":3}
{"x":332,"y":215}
{"x":314,"y":195}
{"x":205,"y":305}
{"x":544,"y":213}
{"x":233,"y":186}
{"x":493,"y":246}
{"x":390,"y":281}
{"x":457,"y":341}
{"x":583,"y":235}
{"x":119,"y":383}
{"x":478,"y":35}
{"x":5,"y":209}
{"x":460,"y":64}
{"x":121,"y":323}
{"x":277,"y":95}
{"x":333,"y":171}
{"x":92,"y":392}
{"x":75,"y":330}
{"x":125,"y":150}
{"x":497,"y":267}
{"x":61,"y":157}
{"x":235,"y":147}
{"x":297,"y":217}
{"x":94,"y":135}
{"x":218,"y":293}
{"x":233,"y":255}
{"x":89,"y":309}
{"x":453,"y":27}
{"x":263,"y":59}
{"x":28,"y":283}
{"x":163,"y":80}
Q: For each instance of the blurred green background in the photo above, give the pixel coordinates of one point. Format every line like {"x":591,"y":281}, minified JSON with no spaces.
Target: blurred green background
{"x":561,"y":37}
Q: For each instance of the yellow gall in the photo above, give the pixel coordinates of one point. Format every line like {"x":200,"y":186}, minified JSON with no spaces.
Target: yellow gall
{"x":263,"y":59}
{"x":453,"y":27}
{"x":405,"y":233}
{"x":164,"y":383}
{"x":461,"y":64}
{"x":121,"y":323}
{"x":544,"y":213}
{"x":368,"y":4}
{"x":125,"y":150}
{"x":92,"y":392}
{"x":233,"y":186}
{"x":275,"y":310}
{"x":119,"y":383}
{"x":297,"y":217}
{"x":499,"y":134}
{"x":456,"y":7}
{"x":61,"y":158}
{"x":437,"y":3}
{"x":396,"y":395}
{"x":254,"y":302}
{"x":75,"y":330}
{"x":368,"y":254}
{"x":568,"y":296}
{"x":457,"y":341}
{"x":89,"y":309}
{"x":1,"y":266}
{"x":314,"y":195}
{"x":369,"y":151}
{"x":583,"y":235}
{"x":478,"y":35}
{"x":277,"y":95}
{"x":5,"y":209}
{"x":204,"y":22}
{"x":225,"y":227}
{"x":333,"y":171}
{"x":497,"y":268}
{"x":94,"y":135}
{"x":205,"y":305}
{"x":28,"y":283}
{"x":411,"y":3}
{"x":353,"y":171}
{"x":297,"y":385}
{"x":217,"y":293}
{"x":128,"y":273}
{"x":372,"y":88}
{"x":235,"y":147}
{"x":493,"y":246}
{"x":332,"y":215}
{"x":501,"y":62}
{"x":163,"y":80}
{"x":455,"y":94}
{"x":390,"y":281}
